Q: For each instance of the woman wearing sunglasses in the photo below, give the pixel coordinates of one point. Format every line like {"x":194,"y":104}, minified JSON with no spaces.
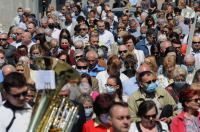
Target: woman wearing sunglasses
{"x":148,"y":112}
{"x":189,"y":119}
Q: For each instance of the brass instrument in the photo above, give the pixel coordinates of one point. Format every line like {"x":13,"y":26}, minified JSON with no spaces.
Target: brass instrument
{"x":52,"y":112}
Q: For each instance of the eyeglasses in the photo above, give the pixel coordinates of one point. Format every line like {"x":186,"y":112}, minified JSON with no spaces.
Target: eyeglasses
{"x":195,"y":100}
{"x":20,"y":94}
{"x":79,"y":56}
{"x":195,"y":42}
{"x":123,"y":51}
{"x":81,"y":67}
{"x":3,"y":39}
{"x":150,"y":116}
{"x":83,"y":29}
{"x":149,"y":82}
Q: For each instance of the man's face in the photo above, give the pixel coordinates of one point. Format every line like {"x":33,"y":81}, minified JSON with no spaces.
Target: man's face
{"x":196,"y":43}
{"x":150,"y":39}
{"x":101,"y":27}
{"x":26,"y":38}
{"x":125,"y":20}
{"x":177,"y":47}
{"x":92,"y":60}
{"x":190,"y":62}
{"x":150,"y":118}
{"x":16,"y":96}
{"x":122,"y":51}
{"x":68,"y":19}
{"x":120,"y":119}
{"x":81,"y":66}
{"x":130,"y":45}
{"x":31,"y":28}
{"x":164,"y":45}
{"x":19,"y":34}
{"x":94,"y":41}
{"x":147,"y":79}
{"x":83,"y":30}
{"x":3,"y":40}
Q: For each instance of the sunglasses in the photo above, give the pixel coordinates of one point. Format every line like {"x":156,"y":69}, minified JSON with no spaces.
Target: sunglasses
{"x":195,"y":100}
{"x":91,"y":60}
{"x":123,"y":51}
{"x":79,"y":56}
{"x":20,"y":94}
{"x":20,"y":70}
{"x":35,"y":53}
{"x":3,"y":39}
{"x":150,"y":116}
{"x":149,"y":82}
{"x":195,"y":42}
{"x":81,"y":67}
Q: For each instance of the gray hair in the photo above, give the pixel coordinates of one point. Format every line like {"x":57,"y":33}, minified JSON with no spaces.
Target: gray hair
{"x":179,"y":71}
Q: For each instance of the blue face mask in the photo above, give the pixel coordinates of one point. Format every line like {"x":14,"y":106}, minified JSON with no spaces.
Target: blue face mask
{"x":88,"y":112}
{"x":151,"y":87}
{"x":110,"y":90}
{"x":104,"y":118}
{"x":81,"y":71}
{"x":190,"y":69}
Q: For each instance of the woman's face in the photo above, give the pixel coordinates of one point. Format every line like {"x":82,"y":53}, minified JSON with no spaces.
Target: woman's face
{"x":64,"y":44}
{"x":20,"y":69}
{"x":112,"y":82}
{"x":149,"y":119}
{"x":87,"y":104}
{"x":35,"y":53}
{"x":193,"y":103}
{"x":169,"y":70}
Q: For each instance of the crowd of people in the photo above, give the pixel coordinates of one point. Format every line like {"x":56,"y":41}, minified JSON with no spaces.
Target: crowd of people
{"x":138,"y":71}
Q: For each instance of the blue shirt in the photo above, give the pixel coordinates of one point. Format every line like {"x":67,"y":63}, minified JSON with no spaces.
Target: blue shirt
{"x":130,"y":86}
{"x":93,"y":72}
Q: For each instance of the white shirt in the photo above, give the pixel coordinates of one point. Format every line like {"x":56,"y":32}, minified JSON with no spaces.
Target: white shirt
{"x":133,"y":127}
{"x":55,"y":33}
{"x":102,"y":80}
{"x":21,"y":121}
{"x":140,"y":56}
{"x":106,"y":39}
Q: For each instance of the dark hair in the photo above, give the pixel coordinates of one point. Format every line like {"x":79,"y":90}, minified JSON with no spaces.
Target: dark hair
{"x":68,"y":39}
{"x":64,"y":30}
{"x":14,"y":79}
{"x":82,"y":59}
{"x":174,"y":37}
{"x":196,"y":76}
{"x":114,"y":64}
{"x":185,"y":95}
{"x":102,"y":104}
{"x":145,"y":106}
{"x":119,"y":91}
{"x":127,"y":37}
{"x":170,"y":49}
{"x":121,"y":104}
{"x":151,"y":32}
{"x":43,"y":43}
{"x":130,"y":60}
{"x":149,"y":18}
{"x":85,"y":75}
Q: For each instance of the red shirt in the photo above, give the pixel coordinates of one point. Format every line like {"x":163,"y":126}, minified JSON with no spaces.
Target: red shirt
{"x":94,"y":126}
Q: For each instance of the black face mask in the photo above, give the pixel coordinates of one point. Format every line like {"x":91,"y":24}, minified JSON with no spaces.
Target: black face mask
{"x":51,"y":26}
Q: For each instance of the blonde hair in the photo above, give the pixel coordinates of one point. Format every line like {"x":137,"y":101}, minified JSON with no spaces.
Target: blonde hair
{"x":26,"y":74}
{"x":152,"y":63}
